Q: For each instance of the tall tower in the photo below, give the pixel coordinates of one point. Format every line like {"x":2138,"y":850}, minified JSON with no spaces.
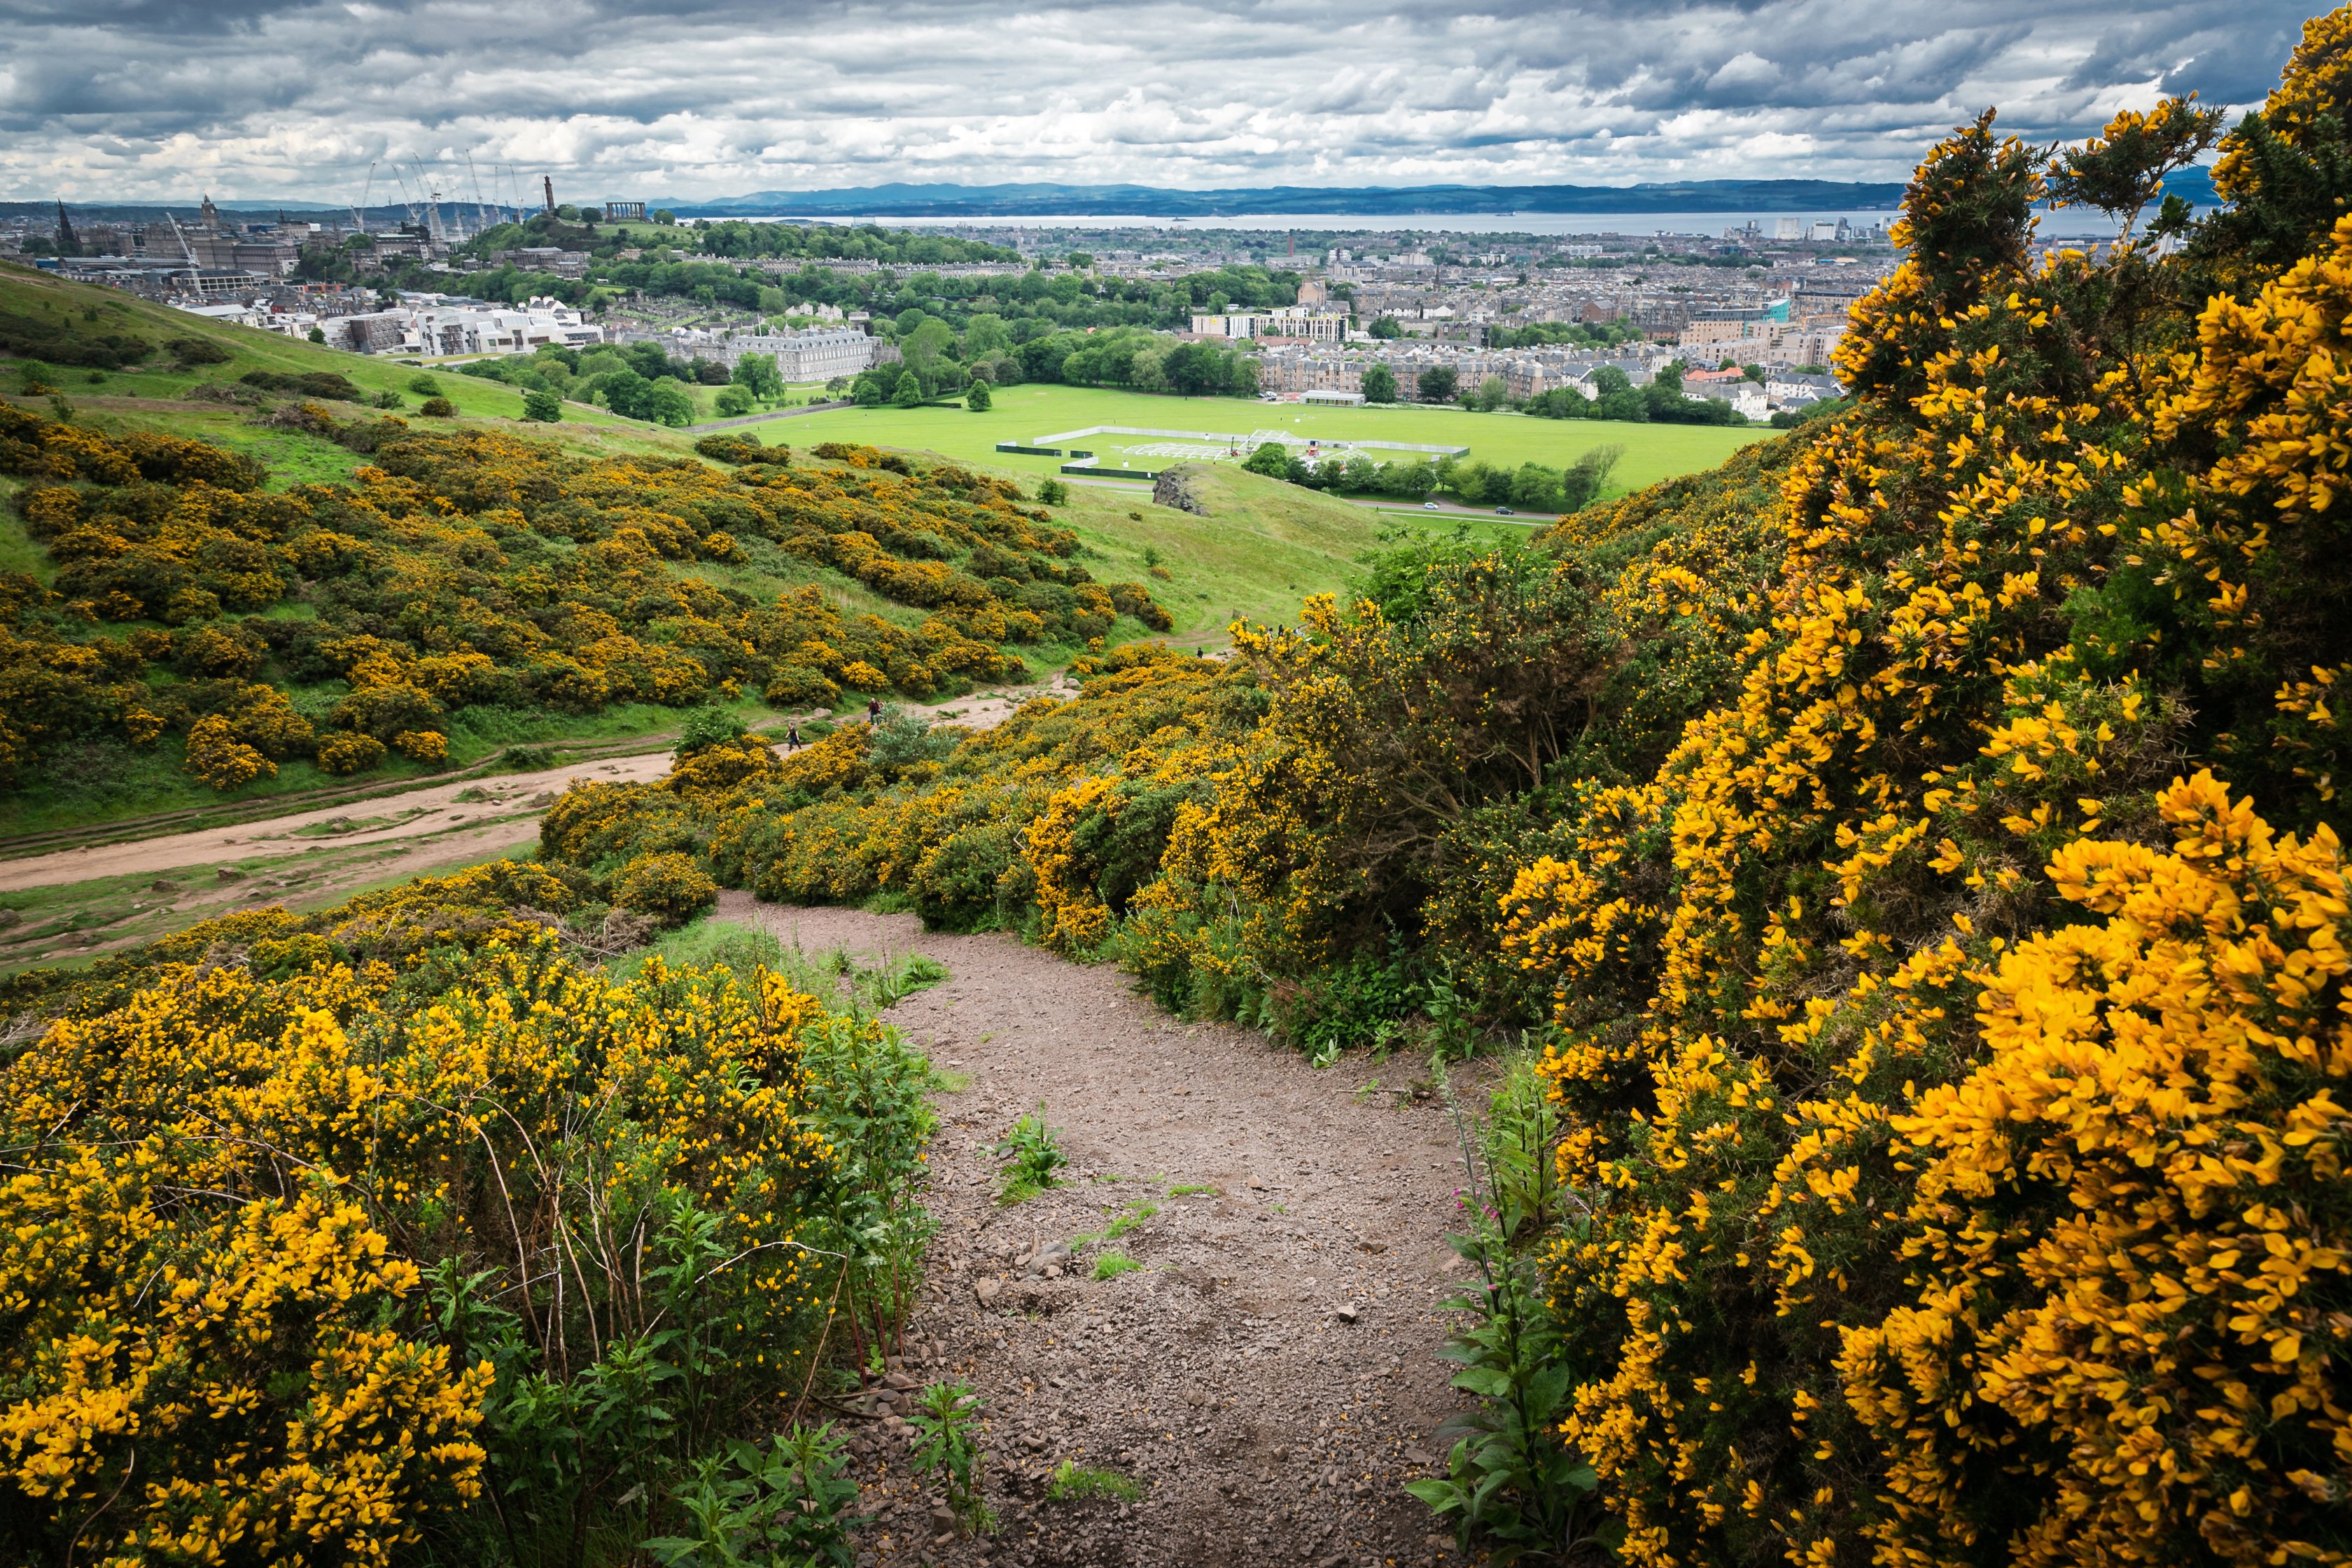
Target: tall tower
{"x":68,"y":244}
{"x":549,"y":182}
{"x":209,"y":215}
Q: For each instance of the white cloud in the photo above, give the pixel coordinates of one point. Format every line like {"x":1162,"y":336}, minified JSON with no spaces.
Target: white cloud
{"x":267,"y":99}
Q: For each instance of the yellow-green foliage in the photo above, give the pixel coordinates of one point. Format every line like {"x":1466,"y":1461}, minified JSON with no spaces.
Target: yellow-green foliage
{"x":472,"y":568}
{"x":670,"y":887}
{"x":326,"y":1237}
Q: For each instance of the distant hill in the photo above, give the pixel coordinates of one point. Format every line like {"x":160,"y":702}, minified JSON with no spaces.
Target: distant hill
{"x":1377,"y":201}
{"x":901,"y":200}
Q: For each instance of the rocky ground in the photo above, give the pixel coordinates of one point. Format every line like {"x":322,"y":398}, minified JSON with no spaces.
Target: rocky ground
{"x":1266,"y":1375}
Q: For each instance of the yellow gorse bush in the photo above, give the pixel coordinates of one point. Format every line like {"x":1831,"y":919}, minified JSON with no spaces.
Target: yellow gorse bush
{"x":2128,"y":1223}
{"x":1879,"y":1261}
{"x":474,"y":568}
{"x":252,"y":1219}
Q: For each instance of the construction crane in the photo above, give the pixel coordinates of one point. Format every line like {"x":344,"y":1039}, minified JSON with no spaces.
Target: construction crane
{"x":359,"y":212}
{"x":433,"y":224}
{"x":420,"y":209}
{"x":407,"y":204}
{"x":481,"y":214}
{"x":186,"y":248}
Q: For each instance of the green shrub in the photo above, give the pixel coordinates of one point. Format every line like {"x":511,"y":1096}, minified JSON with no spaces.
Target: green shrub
{"x":197,"y":350}
{"x":956,"y":884}
{"x":437,"y":408}
{"x":901,"y":740}
{"x":707,"y":726}
{"x":788,"y":1505}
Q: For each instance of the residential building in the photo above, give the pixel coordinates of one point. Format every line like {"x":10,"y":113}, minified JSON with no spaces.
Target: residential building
{"x":1310,"y":323}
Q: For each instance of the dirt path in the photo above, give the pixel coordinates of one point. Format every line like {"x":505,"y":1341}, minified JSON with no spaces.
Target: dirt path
{"x":454,"y":822}
{"x":1268,"y":1374}
{"x":504,"y":811}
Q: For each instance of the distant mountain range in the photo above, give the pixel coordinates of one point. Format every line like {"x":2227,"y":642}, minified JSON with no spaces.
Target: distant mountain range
{"x":1369,"y":201}
{"x":1387,"y":201}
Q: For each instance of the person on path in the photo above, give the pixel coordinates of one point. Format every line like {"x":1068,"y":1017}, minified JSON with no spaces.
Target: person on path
{"x":873,"y":709}
{"x":791,"y":739}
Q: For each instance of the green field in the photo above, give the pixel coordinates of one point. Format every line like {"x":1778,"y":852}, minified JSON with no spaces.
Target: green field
{"x":1652,"y":452}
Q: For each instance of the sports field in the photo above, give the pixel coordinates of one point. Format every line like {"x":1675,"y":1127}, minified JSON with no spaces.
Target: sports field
{"x":1652,"y":452}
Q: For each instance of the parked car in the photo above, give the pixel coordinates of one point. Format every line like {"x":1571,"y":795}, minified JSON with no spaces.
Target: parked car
{"x":1505,"y":512}
{"x":1429,"y":506}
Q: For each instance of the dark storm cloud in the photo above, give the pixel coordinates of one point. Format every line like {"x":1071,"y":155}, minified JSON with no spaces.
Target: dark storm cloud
{"x":264,"y":98}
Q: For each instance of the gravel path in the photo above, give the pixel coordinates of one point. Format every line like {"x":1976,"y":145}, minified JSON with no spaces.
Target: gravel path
{"x":1267,"y":1374}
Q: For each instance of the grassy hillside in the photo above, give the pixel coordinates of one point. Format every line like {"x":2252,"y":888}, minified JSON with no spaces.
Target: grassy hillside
{"x":35,"y":304}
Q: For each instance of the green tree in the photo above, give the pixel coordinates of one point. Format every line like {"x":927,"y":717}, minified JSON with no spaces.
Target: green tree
{"x":733,"y":402}
{"x":977,"y":399}
{"x":1194,"y":369}
{"x":670,"y":403}
{"x":910,"y":393}
{"x":1487,"y":395}
{"x":318,"y":334}
{"x":1588,"y":476}
{"x":1380,"y":384}
{"x":984,"y":335}
{"x":627,"y":394}
{"x":927,"y":346}
{"x":543,"y":407}
{"x":1385,"y":328}
{"x":1272,"y":459}
{"x":1438,"y":384}
{"x":757,"y":374}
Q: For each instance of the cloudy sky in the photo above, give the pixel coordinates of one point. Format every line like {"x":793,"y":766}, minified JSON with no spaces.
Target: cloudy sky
{"x":285,"y":99}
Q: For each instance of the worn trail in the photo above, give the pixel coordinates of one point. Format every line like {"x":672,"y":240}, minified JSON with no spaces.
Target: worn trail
{"x":1268,"y":1374}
